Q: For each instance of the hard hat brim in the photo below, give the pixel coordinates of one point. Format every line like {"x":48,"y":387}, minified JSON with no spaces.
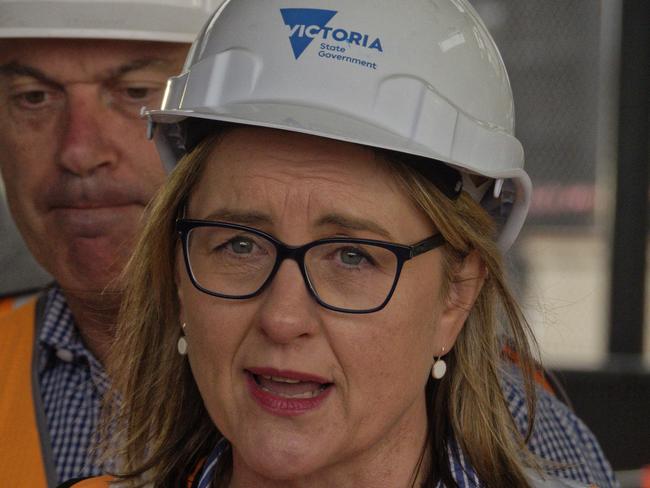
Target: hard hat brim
{"x":323,"y":123}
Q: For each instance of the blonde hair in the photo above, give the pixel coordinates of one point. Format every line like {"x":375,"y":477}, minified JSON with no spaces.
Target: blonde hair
{"x":166,"y":429}
{"x":469,"y":402}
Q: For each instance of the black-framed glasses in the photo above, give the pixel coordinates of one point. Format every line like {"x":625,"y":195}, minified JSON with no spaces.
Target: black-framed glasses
{"x":343,"y":274}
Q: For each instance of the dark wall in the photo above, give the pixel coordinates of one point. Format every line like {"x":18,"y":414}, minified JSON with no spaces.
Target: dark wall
{"x":615,"y":403}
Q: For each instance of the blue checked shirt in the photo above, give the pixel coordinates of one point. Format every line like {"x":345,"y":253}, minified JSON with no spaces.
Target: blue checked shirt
{"x":558,"y":435}
{"x":72,"y":383}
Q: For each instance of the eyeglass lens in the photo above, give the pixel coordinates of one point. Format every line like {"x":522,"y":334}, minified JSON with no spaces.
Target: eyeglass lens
{"x":345,"y":275}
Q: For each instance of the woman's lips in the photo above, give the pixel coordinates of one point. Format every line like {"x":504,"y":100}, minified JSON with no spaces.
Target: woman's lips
{"x":286,"y":393}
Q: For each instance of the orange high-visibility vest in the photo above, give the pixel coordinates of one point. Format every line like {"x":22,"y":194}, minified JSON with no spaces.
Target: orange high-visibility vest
{"x":7,"y":305}
{"x":10,"y":303}
{"x":104,"y":481}
{"x":99,"y":482}
{"x":25,"y":453}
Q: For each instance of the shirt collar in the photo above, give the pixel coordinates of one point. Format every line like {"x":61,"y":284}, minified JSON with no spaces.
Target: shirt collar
{"x":210,"y":465}
{"x":60,"y":341}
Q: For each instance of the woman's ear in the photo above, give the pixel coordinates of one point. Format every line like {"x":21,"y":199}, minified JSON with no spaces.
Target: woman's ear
{"x":466,"y":282}
{"x":179,"y":289}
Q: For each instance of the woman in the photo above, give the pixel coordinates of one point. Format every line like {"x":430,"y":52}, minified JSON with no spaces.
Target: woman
{"x":318,"y":298}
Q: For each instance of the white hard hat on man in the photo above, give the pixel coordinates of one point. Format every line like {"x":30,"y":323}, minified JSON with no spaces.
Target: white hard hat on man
{"x":144,"y":20}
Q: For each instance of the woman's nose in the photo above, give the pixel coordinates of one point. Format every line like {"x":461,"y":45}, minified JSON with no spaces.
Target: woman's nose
{"x":288,"y":312}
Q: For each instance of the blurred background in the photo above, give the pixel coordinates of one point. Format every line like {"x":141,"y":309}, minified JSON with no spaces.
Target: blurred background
{"x":580,"y":73}
{"x":19,"y":273}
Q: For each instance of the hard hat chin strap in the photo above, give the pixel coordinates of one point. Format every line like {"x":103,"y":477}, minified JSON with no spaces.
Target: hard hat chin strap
{"x":478,"y":186}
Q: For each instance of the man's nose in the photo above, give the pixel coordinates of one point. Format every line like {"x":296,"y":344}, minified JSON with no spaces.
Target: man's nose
{"x":85,"y":140}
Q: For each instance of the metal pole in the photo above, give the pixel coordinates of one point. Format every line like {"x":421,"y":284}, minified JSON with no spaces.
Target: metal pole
{"x":631,"y":221}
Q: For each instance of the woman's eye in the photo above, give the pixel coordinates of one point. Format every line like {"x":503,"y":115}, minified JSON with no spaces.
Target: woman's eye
{"x":241,"y":246}
{"x":353,"y":257}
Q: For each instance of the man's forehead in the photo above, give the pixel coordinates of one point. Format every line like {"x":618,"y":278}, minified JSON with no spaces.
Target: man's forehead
{"x":69,"y":60}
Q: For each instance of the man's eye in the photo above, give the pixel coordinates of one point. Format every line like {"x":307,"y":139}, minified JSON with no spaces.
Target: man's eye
{"x":32,"y":99}
{"x":35,"y":97}
{"x":138,"y":93}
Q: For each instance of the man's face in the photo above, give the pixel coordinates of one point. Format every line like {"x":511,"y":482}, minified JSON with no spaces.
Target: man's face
{"x":77,"y":166}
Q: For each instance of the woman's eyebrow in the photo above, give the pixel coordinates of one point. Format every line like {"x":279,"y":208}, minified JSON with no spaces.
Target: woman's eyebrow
{"x":333,"y":219}
{"x":240,"y":217}
{"x":353,"y":223}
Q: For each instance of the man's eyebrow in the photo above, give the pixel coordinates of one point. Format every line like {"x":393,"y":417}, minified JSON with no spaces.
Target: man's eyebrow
{"x":15,"y":68}
{"x":353,"y":223}
{"x":136,"y":65}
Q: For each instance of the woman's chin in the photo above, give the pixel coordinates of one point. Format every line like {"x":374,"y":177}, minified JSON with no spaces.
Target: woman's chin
{"x":279,"y":463}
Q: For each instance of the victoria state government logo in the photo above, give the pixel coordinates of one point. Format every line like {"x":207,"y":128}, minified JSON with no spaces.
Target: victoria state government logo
{"x":307,"y":24}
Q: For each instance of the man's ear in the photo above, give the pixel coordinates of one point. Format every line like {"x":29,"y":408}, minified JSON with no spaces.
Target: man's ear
{"x":466,"y":282}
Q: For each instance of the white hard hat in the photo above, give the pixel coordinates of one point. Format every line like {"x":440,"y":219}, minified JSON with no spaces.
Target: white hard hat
{"x":420,"y":77}
{"x":145,"y":20}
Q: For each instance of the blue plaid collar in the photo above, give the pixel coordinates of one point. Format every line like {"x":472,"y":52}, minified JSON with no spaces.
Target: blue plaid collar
{"x":210,"y":465}
{"x":60,"y":341}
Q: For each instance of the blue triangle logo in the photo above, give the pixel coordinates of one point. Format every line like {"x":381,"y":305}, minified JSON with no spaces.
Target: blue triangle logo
{"x":299,"y":19}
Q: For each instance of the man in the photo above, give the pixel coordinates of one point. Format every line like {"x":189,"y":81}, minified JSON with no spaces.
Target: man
{"x":78,"y":172}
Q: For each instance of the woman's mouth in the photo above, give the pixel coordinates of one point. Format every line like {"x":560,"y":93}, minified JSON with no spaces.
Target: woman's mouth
{"x":287,"y":393}
{"x":289,"y":388}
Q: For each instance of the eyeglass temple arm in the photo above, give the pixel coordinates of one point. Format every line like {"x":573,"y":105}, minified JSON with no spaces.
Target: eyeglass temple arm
{"x":426,"y":245}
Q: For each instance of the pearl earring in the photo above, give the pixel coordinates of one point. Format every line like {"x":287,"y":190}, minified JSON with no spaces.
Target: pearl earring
{"x":181,"y":345}
{"x":439,"y":367}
